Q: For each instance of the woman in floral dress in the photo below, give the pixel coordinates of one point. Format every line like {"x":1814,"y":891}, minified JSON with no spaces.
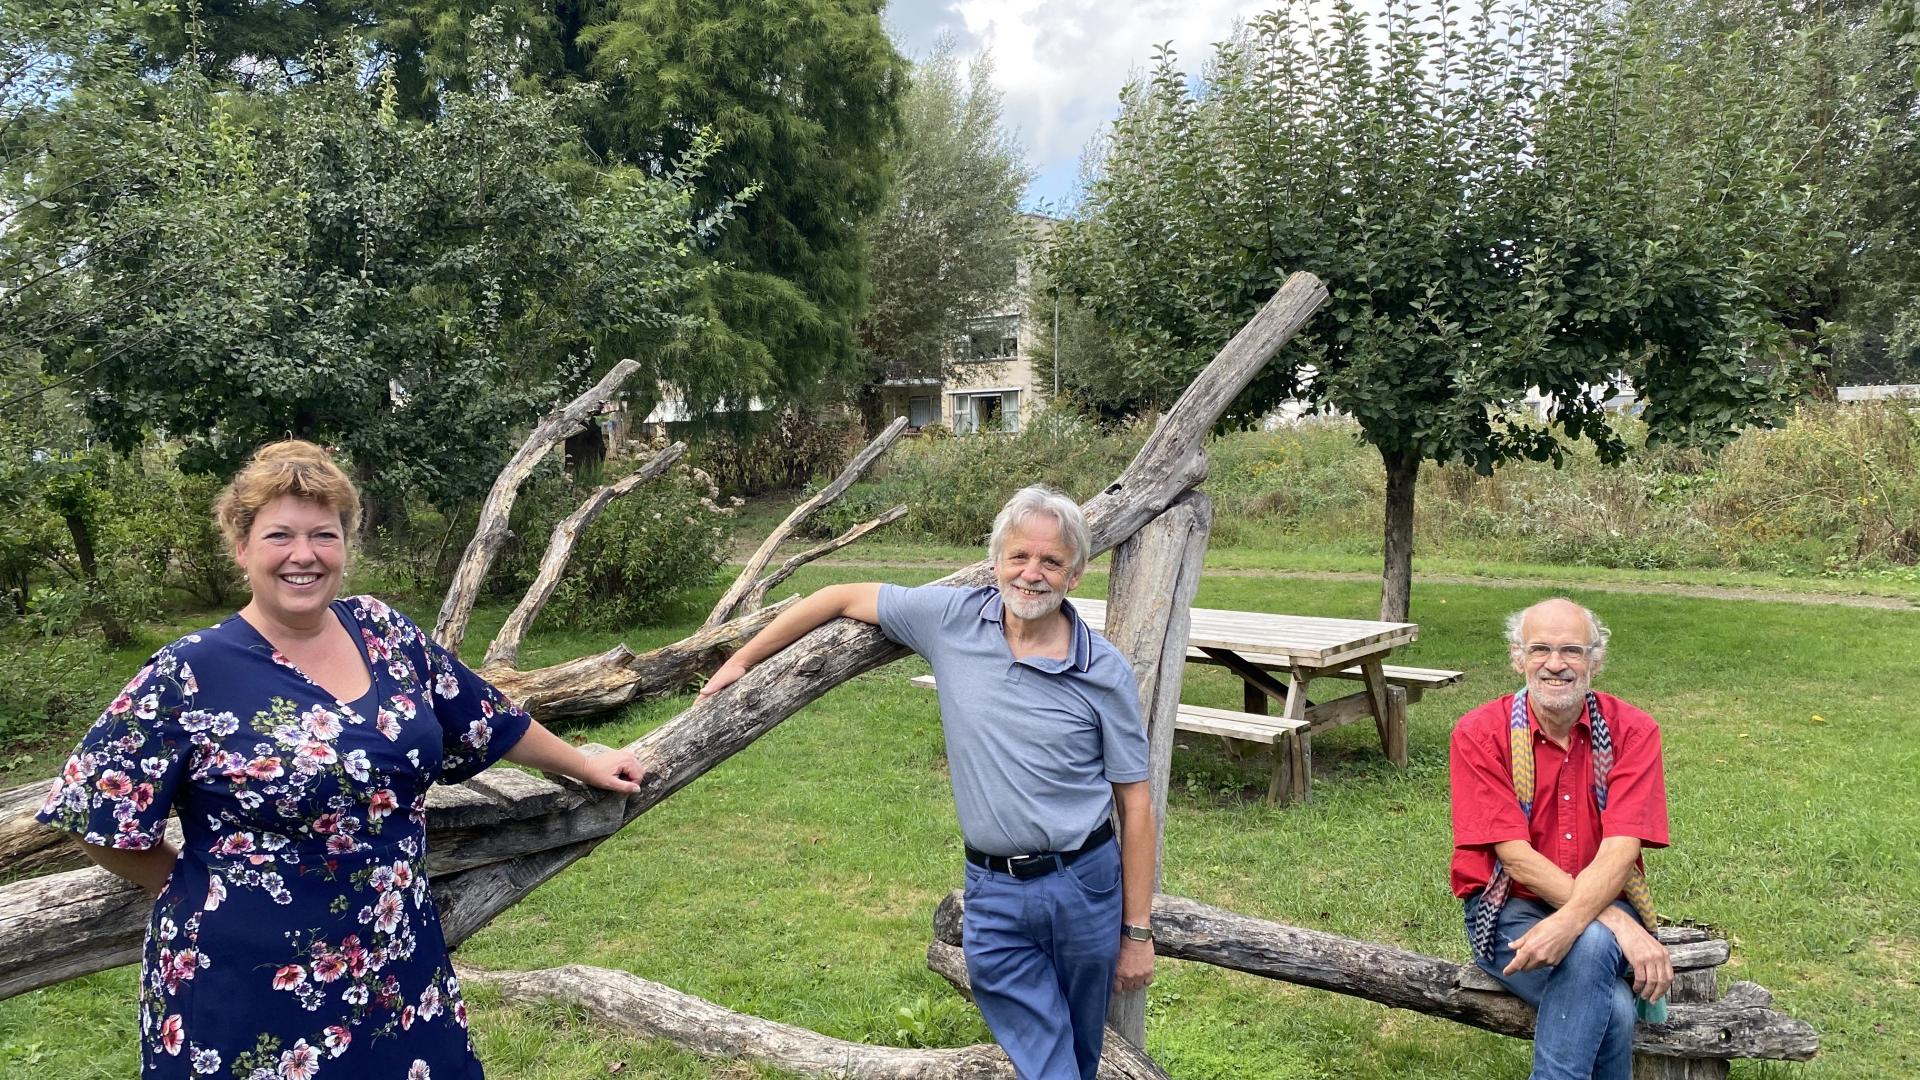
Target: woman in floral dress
{"x":293,"y":935}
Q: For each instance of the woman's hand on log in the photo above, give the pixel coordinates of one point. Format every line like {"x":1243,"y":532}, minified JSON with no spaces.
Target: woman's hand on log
{"x":728,"y":674}
{"x":614,"y":770}
{"x":1135,"y":969}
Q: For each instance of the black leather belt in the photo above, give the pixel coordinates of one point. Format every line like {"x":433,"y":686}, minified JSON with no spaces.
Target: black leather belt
{"x":1025,"y":867}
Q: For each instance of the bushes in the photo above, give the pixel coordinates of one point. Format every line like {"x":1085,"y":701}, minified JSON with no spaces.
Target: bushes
{"x":643,"y":553}
{"x":792,"y":448}
{"x":954,"y":486}
{"x":1837,"y":490}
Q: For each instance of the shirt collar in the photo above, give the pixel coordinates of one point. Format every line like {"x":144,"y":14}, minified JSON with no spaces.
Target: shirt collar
{"x":1080,"y":653}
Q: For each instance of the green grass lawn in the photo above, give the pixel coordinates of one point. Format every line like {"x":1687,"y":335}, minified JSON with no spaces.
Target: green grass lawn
{"x":796,"y":881}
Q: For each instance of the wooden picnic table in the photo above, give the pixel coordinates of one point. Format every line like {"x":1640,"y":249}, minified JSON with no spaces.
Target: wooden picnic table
{"x":1264,"y":648}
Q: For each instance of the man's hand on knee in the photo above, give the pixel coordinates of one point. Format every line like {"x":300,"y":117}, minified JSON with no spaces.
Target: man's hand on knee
{"x":1652,"y":964}
{"x":1545,"y":944}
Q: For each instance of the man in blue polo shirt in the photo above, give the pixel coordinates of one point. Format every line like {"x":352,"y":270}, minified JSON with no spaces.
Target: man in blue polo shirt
{"x":1044,"y":746}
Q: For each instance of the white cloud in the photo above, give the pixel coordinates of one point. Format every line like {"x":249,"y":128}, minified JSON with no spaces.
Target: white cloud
{"x":1061,"y":63}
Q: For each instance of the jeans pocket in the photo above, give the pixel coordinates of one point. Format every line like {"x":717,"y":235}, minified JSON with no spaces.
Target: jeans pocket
{"x":1097,"y":874}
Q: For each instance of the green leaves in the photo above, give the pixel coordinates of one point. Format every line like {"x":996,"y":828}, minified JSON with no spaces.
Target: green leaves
{"x":301,"y":259}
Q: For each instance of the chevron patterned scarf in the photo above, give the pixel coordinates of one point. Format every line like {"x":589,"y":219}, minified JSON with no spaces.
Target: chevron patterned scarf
{"x":1520,"y":742}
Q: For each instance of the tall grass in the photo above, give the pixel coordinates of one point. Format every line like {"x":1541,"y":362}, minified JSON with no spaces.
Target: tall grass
{"x":1836,"y":490}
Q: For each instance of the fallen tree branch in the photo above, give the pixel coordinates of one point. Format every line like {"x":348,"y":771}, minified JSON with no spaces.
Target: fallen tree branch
{"x":610,"y":680}
{"x":734,"y":602}
{"x":1733,"y":1027}
{"x":491,"y":530}
{"x":582,"y":687}
{"x":504,"y":650}
{"x":634,"y":1006}
{"x":761,"y":588}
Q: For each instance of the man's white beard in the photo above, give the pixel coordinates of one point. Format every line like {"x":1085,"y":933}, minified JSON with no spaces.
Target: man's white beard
{"x":1560,"y":698}
{"x":1030,"y":608}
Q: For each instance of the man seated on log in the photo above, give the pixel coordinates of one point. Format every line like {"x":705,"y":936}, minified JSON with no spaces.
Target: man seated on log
{"x":1556,"y":789}
{"x":1044,"y":745}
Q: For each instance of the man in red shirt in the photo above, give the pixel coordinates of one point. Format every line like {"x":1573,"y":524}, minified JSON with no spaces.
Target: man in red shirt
{"x":1556,"y":790}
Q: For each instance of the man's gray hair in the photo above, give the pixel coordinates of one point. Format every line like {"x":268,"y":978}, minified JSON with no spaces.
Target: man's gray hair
{"x":1035,"y":500}
{"x":1597,"y":633}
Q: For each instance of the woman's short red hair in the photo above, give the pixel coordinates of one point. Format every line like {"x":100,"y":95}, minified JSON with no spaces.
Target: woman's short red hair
{"x":290,"y":467}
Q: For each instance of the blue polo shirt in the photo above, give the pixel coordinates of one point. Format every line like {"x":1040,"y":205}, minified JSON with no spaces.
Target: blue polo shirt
{"x":1033,"y":745}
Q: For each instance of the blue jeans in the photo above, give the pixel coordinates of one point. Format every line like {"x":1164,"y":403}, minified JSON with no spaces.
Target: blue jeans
{"x":1585,"y":1002}
{"x":1041,"y":954}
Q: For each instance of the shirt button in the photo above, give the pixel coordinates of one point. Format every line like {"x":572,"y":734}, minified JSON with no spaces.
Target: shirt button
{"x":1563,"y":798}
{"x":1569,"y":836}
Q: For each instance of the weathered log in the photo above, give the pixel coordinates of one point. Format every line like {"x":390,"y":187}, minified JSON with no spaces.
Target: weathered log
{"x":734,"y":601}
{"x":582,"y":687}
{"x":1118,"y":1057}
{"x":517,"y":829}
{"x":1189,"y":930}
{"x":634,"y":1006}
{"x":758,"y":594}
{"x":1156,"y":574}
{"x":610,"y":680}
{"x":66,"y":925}
{"x":491,"y":530}
{"x":504,"y":650}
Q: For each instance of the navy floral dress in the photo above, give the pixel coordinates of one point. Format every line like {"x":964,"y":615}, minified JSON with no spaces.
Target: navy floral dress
{"x":296,"y":938}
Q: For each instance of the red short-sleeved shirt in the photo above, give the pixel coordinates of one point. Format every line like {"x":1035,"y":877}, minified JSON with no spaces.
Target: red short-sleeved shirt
{"x":1567,"y":824}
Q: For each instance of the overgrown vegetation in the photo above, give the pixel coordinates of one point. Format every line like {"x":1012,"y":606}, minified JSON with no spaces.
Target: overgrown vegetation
{"x":1836,"y":490}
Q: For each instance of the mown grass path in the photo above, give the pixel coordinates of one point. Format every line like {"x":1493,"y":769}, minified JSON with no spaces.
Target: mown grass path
{"x":797,"y":880}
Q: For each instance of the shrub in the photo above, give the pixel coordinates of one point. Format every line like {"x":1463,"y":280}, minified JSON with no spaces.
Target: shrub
{"x":780,"y":456}
{"x":51,"y":690}
{"x":954,"y":486}
{"x":644,"y":552}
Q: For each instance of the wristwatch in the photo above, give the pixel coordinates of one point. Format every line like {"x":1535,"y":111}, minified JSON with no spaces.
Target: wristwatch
{"x":1136,"y":933}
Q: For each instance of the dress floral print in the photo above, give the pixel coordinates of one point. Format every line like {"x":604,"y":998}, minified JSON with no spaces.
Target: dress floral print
{"x":296,"y":938}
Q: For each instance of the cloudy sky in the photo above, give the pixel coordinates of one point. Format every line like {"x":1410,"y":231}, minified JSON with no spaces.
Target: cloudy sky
{"x":1061,"y":63}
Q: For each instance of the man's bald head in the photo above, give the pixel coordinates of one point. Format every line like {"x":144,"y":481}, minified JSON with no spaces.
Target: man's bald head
{"x":1565,"y":622}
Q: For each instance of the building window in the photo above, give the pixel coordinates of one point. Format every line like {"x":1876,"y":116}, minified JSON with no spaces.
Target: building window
{"x":996,"y":410}
{"x":996,"y":337}
{"x":923,"y":409}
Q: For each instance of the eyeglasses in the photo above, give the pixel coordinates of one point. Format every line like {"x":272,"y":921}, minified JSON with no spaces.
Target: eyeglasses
{"x":1572,"y":654}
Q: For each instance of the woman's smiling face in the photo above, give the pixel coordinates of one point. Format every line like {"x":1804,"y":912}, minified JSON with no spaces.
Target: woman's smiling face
{"x":294,"y":557}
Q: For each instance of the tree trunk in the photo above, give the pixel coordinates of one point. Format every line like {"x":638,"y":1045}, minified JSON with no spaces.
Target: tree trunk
{"x":83,"y":546}
{"x":1396,"y":582}
{"x":490,"y":534}
{"x":112,"y":628}
{"x":634,"y":1006}
{"x":1156,"y":573}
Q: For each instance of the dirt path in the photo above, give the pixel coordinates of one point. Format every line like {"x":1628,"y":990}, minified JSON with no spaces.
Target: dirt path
{"x":1702,"y":592}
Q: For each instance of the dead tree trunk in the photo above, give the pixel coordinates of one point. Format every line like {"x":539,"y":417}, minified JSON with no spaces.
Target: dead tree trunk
{"x":738,"y":595}
{"x":1737,"y":1026}
{"x":1156,"y":574}
{"x":505,"y":647}
{"x":634,"y":1006}
{"x":491,"y":532}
